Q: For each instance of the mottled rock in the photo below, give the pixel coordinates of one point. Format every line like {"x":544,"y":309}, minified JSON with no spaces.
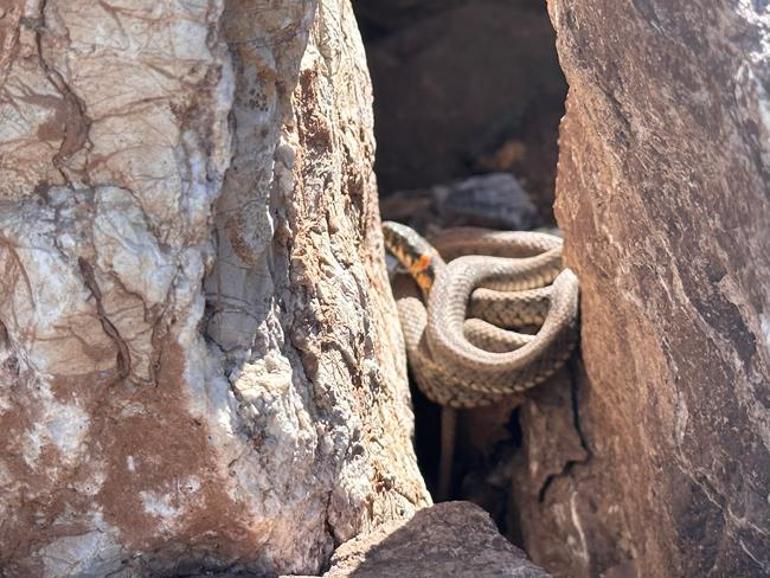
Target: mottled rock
{"x":663,"y":195}
{"x":448,"y":539}
{"x":200,"y":363}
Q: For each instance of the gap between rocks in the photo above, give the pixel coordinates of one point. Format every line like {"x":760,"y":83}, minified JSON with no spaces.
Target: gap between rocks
{"x":468,"y":97}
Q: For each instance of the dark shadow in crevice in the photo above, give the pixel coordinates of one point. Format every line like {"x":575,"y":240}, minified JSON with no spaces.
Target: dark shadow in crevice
{"x":463,"y":88}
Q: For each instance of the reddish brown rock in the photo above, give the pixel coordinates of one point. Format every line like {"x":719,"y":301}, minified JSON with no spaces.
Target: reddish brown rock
{"x":664,"y":198}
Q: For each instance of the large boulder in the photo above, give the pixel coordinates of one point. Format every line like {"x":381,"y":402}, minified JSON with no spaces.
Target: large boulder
{"x":663,"y":194}
{"x":201,"y":361}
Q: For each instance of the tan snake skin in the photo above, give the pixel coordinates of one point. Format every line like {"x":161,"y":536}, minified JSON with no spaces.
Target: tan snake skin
{"x":467,"y":347}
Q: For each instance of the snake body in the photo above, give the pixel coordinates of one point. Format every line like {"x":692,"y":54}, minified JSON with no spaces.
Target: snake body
{"x":478,"y":290}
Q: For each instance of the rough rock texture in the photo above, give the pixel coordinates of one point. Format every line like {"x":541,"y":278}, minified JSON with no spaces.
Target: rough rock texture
{"x":664,"y":198}
{"x":201,"y":364}
{"x":448,"y":539}
{"x":463,"y":87}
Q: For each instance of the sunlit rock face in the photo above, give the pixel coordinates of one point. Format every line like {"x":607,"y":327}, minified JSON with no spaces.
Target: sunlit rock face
{"x":663,"y":197}
{"x":201,"y":363}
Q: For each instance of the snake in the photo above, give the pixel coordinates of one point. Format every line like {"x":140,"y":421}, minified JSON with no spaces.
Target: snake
{"x":478,"y":292}
{"x":465,"y":315}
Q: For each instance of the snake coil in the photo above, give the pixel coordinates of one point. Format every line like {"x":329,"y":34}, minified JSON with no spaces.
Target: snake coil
{"x":463,"y":330}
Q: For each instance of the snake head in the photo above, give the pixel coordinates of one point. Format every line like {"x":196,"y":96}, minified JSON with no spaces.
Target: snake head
{"x":418,"y":256}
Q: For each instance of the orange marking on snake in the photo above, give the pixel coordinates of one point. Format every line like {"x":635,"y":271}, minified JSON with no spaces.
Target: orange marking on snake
{"x":418,"y":269}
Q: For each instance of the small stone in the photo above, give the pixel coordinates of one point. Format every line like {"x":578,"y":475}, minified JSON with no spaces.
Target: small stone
{"x":495,"y":201}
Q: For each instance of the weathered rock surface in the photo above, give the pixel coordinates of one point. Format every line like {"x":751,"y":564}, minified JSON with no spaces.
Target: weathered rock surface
{"x":448,"y":539}
{"x":201,"y":362}
{"x":663,"y":195}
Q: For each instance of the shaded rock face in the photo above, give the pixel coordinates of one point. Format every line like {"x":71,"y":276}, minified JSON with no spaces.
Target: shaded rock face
{"x":200,"y":361}
{"x":663,"y":194}
{"x":448,"y":539}
{"x":462,"y":88}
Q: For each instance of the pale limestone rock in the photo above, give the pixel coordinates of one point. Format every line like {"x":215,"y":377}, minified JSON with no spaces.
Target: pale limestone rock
{"x":201,"y":364}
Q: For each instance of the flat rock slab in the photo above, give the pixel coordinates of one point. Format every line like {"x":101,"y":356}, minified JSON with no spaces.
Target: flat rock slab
{"x":449,"y":539}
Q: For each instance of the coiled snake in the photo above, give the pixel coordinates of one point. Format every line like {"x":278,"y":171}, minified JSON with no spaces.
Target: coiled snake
{"x":477,"y":291}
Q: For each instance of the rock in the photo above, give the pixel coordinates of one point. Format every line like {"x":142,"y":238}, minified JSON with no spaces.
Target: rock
{"x":200,"y":361}
{"x":495,"y":201}
{"x":552,"y":449}
{"x":449,"y":539}
{"x":662,"y":195}
{"x":464,"y":87}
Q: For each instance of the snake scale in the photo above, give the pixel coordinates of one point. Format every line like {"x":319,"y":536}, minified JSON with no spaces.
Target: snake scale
{"x":479,"y":292}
